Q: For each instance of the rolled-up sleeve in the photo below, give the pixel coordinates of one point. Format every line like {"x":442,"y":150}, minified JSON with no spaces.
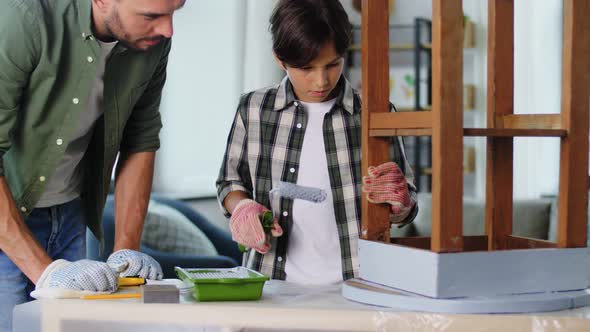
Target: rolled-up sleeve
{"x":142,"y":131}
{"x":234,"y":174}
{"x":18,"y":57}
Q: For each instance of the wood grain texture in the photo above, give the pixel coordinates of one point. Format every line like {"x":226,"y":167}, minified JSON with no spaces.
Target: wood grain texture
{"x":375,"y":99}
{"x":470,"y":243}
{"x":499,"y":170}
{"x":401,"y":120}
{"x":447,"y":135}
{"x":519,"y":242}
{"x":573,"y":172}
{"x":477,"y":132}
{"x":528,"y":121}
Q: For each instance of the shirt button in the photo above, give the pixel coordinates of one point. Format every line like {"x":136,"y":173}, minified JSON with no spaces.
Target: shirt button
{"x":280,"y":259}
{"x":292,"y":170}
{"x":42,"y":178}
{"x":90,"y":59}
{"x":299,"y":125}
{"x":24,"y":209}
{"x":285,"y":213}
{"x":59,"y":141}
{"x":76,"y":101}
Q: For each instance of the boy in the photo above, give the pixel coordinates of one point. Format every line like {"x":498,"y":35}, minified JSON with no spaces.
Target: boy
{"x":306,"y":131}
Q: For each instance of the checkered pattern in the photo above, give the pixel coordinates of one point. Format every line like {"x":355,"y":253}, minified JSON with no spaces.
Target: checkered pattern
{"x":82,"y":275}
{"x":131,"y":263}
{"x":264,"y":144}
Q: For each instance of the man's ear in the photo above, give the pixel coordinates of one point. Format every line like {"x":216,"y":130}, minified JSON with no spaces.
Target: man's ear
{"x":279,"y":62}
{"x":101,"y":5}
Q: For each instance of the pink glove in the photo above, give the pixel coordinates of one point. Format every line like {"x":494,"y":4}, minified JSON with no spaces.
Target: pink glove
{"x":246,"y":226}
{"x":386,"y":183}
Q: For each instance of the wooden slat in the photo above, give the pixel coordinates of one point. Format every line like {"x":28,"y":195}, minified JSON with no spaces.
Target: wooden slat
{"x":529,"y":121}
{"x":375,"y":98}
{"x":400,"y":132}
{"x":401,"y":120}
{"x":519,"y":242}
{"x":413,"y":109}
{"x":447,"y":116}
{"x":392,"y":47}
{"x":470,"y":243}
{"x":493,"y":132}
{"x":477,"y":132}
{"x":573,"y":172}
{"x":500,"y":101}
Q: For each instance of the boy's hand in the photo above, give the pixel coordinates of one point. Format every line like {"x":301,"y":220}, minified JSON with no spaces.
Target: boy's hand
{"x":246,"y":226}
{"x":386,"y":183}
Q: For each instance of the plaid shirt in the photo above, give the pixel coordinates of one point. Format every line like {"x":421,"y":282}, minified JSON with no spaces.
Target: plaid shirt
{"x":264,"y":147}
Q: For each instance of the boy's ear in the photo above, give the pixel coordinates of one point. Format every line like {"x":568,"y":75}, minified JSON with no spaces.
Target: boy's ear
{"x":279,"y":62}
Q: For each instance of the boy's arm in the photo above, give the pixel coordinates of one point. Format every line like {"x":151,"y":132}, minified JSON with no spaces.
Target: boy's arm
{"x":399,"y":157}
{"x":232,"y":199}
{"x":234,"y":182}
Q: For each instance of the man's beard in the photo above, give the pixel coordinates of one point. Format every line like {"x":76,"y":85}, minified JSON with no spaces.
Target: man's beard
{"x":116,"y":31}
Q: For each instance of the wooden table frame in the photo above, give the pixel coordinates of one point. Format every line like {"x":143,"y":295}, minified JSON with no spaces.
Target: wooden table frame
{"x":445,"y":124}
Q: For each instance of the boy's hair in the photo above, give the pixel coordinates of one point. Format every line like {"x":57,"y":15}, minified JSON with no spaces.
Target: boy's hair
{"x":301,"y":27}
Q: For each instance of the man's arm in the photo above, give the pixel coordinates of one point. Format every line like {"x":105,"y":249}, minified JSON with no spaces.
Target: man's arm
{"x":135,"y":168}
{"x":16,"y":240}
{"x":133,"y":184}
{"x":18,"y":57}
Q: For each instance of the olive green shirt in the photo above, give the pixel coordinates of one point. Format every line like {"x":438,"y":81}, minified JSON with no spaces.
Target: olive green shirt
{"x":46,"y":73}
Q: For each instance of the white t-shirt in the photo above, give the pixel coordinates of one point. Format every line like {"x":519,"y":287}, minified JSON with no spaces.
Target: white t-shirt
{"x":64,"y":184}
{"x":313,"y":252}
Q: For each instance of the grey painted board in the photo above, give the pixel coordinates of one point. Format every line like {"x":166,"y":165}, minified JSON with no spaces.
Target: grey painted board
{"x":369,"y":293}
{"x":468,"y":274}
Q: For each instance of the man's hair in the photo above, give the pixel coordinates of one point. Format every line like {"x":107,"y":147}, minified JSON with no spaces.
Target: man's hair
{"x":301,"y":27}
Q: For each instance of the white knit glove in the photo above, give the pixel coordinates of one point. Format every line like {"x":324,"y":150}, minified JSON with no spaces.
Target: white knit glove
{"x":131,"y":263}
{"x":83,"y":275}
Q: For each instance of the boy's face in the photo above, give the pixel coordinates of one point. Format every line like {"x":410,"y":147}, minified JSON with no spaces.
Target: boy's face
{"x":315,"y":82}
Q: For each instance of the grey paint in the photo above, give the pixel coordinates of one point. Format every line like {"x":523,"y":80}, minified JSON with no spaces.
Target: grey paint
{"x":526,"y":303}
{"x":479,"y":273}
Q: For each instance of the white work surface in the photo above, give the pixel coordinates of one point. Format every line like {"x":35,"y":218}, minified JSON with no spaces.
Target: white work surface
{"x":283,"y":307}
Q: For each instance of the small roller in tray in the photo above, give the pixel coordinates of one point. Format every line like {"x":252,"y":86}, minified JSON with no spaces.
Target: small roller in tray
{"x":223,"y":284}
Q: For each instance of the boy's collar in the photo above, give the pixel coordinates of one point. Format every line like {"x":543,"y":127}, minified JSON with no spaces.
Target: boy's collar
{"x":285,"y":95}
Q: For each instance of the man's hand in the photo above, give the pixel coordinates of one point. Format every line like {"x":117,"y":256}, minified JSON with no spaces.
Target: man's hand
{"x":82,"y":275}
{"x":386,"y":183}
{"x":131,"y":263}
{"x":246,"y":226}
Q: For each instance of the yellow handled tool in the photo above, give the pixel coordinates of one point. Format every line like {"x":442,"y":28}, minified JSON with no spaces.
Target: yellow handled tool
{"x":131,"y":281}
{"x":111,"y":296}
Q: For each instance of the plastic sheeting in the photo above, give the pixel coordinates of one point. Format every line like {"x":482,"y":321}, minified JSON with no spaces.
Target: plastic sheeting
{"x":284,"y":306}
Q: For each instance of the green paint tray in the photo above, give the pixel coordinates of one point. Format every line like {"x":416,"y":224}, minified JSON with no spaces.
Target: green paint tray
{"x":223,"y":284}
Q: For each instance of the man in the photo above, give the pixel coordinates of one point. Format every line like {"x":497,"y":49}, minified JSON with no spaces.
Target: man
{"x":80,"y":83}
